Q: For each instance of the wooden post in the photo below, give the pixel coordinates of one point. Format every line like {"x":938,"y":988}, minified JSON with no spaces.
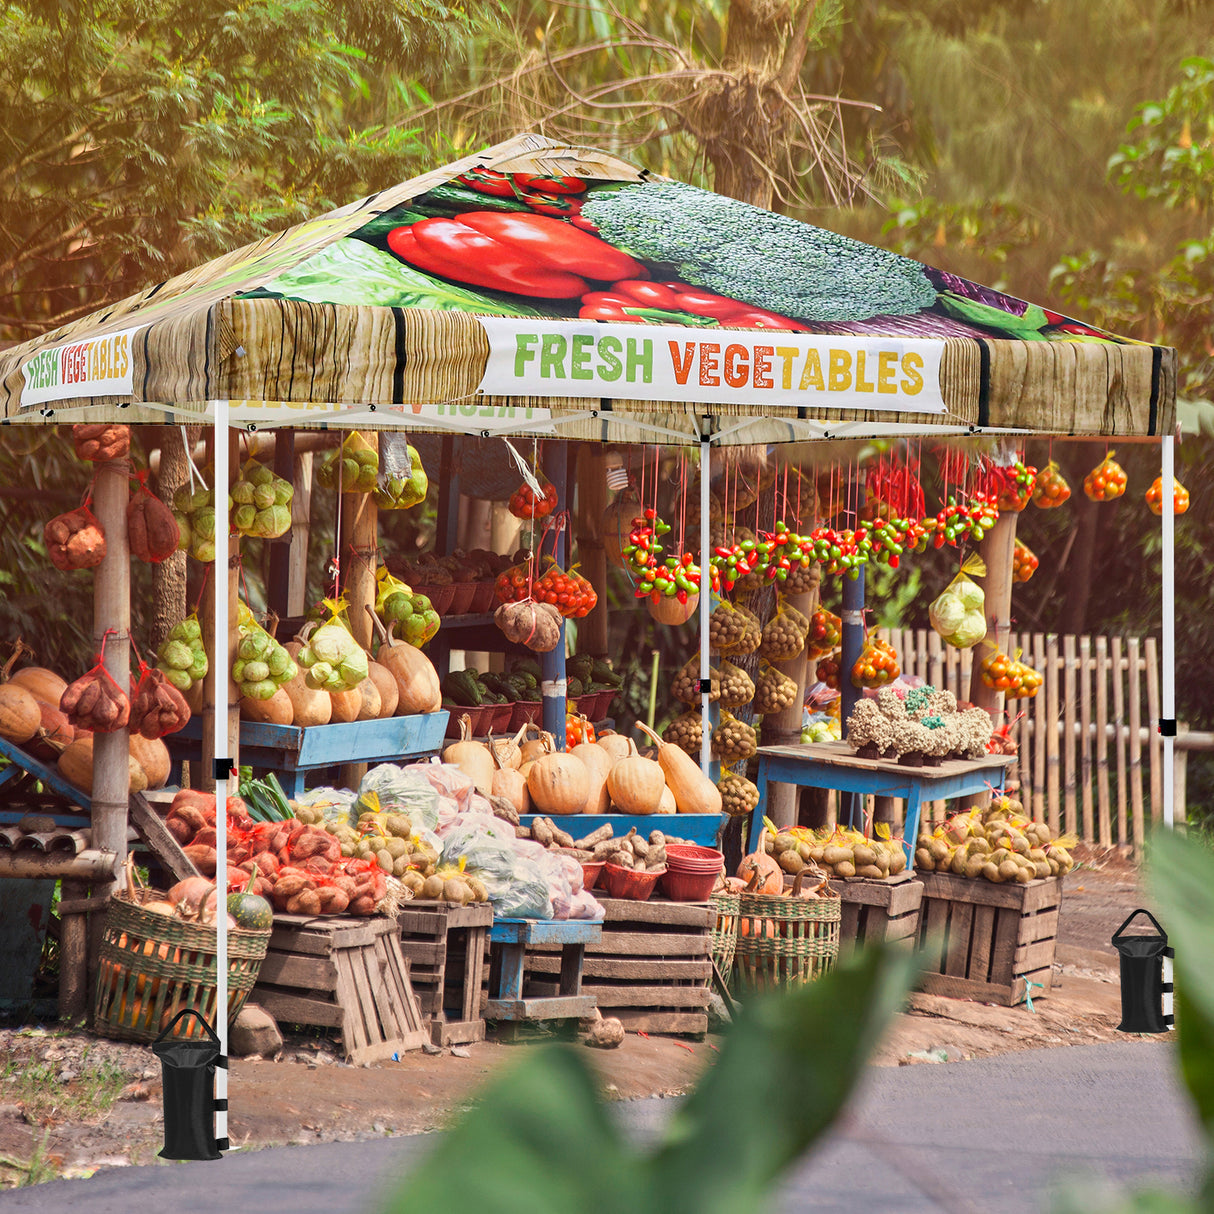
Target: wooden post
{"x":1085,"y":729}
{"x":1180,"y":780}
{"x":784,"y":728}
{"x":1104,"y":824}
{"x":358,"y":551}
{"x":112,"y":612}
{"x":997,"y":549}
{"x":1053,"y":783}
{"x":1068,"y":735}
{"x":1040,"y":731}
{"x":73,"y":951}
{"x":1138,"y":832}
{"x":1155,"y":740}
{"x":287,"y":577}
{"x":1120,"y":740}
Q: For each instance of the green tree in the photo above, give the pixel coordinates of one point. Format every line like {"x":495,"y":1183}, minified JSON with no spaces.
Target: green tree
{"x":141,"y":139}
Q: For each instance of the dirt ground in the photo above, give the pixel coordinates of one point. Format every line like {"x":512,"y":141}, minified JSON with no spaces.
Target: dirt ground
{"x":49,"y":1081}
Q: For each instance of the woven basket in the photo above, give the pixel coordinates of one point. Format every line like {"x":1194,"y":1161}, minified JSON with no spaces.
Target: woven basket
{"x":725,"y":934}
{"x":153,"y":966}
{"x":784,"y":941}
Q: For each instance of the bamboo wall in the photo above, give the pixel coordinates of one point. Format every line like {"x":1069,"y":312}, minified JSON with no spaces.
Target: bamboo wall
{"x":1090,"y":757}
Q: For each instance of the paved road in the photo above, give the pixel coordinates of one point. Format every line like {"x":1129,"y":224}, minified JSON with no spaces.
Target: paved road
{"x":987,"y":1137}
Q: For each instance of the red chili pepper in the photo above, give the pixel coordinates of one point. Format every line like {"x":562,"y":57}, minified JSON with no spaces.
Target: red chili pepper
{"x":522,"y":254}
{"x":550,"y":185}
{"x":758,"y":318}
{"x":552,"y":204}
{"x":487,"y":181}
{"x":649,"y":294}
{"x":705,"y":303}
{"x":580,"y":221}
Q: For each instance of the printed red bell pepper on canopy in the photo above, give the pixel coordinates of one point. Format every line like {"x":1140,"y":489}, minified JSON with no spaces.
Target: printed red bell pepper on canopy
{"x":677,"y":302}
{"x":523,"y":254}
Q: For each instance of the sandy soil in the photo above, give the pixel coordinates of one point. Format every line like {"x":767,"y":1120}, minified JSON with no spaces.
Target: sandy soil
{"x":286,"y":1101}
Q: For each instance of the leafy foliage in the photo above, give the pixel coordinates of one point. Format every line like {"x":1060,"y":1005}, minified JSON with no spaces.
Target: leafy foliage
{"x":541,"y":1141}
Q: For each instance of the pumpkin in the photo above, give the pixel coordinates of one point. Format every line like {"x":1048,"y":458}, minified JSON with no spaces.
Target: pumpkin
{"x":308,"y":707}
{"x":153,"y":756}
{"x":44,"y":685}
{"x":535,"y":747}
{"x":76,"y":766}
{"x":636,"y":784}
{"x":508,"y":751}
{"x":251,"y":910}
{"x":20,"y":716}
{"x":760,"y":871}
{"x":473,"y":758}
{"x":55,"y":732}
{"x":416,"y":679}
{"x":598,"y":763}
{"x":277,"y":710}
{"x":615,"y":745}
{"x":371,"y":704}
{"x":667,"y":805}
{"x":694,"y":792}
{"x":667,"y":609}
{"x":385,"y":684}
{"x":346,"y":705}
{"x":508,"y":782}
{"x":559,"y":783}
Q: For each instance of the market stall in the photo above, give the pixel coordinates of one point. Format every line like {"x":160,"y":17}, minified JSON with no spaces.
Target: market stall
{"x":540,"y":293}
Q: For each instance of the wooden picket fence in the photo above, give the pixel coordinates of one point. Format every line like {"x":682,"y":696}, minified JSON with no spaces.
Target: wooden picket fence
{"x":1083,"y":737}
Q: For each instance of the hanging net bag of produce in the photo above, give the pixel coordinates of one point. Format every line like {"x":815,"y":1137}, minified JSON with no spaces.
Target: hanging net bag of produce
{"x":352,"y":468}
{"x":157,"y":707}
{"x":401,"y":482}
{"x":737,"y":687}
{"x":876,"y":665}
{"x":262,"y":665}
{"x":733,"y":740}
{"x":774,"y":692}
{"x":332,"y":659}
{"x":739,"y":796}
{"x":95,"y":701}
{"x":261,"y":502}
{"x":152,"y":532}
{"x":784,"y":634}
{"x":181,"y":658}
{"x":958,"y":613}
{"x":825,"y":633}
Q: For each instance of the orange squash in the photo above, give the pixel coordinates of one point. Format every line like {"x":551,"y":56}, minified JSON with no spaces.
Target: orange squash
{"x":760,"y":871}
{"x":44,"y":685}
{"x":20,"y":716}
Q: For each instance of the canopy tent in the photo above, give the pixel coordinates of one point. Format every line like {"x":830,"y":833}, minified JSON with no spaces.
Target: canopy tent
{"x":543,"y":289}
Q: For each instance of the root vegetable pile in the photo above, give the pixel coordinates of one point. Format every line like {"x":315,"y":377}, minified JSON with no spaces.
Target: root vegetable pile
{"x":999,"y":844}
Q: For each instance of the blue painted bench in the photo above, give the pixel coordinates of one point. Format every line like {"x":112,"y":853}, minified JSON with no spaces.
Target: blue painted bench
{"x":508,"y":941}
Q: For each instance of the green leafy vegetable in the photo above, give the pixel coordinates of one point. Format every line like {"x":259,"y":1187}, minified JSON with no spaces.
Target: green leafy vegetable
{"x":1025,"y":327}
{"x":350,"y":271}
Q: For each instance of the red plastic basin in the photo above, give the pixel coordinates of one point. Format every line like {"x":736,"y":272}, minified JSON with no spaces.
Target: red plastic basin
{"x":688,"y":887}
{"x":619,"y":882}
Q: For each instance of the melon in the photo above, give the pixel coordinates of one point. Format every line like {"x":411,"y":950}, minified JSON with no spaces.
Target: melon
{"x":153,"y":756}
{"x":20,"y":715}
{"x":44,"y":685}
{"x":277,"y":710}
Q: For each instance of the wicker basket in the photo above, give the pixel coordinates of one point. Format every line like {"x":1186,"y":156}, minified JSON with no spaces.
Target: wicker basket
{"x":153,"y":966}
{"x":725,"y":934}
{"x":785,"y":941}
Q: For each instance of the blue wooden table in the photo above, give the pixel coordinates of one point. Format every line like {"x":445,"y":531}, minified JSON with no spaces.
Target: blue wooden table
{"x":703,"y":829}
{"x":291,"y":752}
{"x":24,"y":768}
{"x":508,"y":940}
{"x":835,"y":765}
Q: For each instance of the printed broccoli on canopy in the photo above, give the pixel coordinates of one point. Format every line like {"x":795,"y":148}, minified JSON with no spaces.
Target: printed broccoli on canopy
{"x":756,"y":256}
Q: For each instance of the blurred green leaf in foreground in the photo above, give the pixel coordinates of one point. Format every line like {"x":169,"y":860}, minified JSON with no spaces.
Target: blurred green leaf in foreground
{"x":541,"y":1141}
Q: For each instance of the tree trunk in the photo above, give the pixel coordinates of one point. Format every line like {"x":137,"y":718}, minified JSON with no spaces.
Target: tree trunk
{"x":168,"y":605}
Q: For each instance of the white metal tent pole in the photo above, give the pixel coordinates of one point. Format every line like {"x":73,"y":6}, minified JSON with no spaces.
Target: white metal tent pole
{"x":705,"y":604}
{"x":1167,"y":724}
{"x":222,"y":750}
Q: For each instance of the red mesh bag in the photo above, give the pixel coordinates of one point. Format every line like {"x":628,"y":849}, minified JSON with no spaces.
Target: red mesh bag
{"x":75,"y":540}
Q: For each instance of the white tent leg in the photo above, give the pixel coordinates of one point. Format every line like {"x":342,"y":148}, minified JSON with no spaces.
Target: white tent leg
{"x":1168,"y":585}
{"x":222,"y":749}
{"x":705,"y":605}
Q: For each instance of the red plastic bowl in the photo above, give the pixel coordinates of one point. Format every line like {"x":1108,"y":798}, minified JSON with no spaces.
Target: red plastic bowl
{"x":503,"y":714}
{"x":439,"y":596}
{"x":479,"y":718}
{"x":526,"y":712}
{"x":620,"y":882}
{"x":484,"y":600}
{"x":590,"y":873}
{"x":688,"y":887}
{"x":690,"y":858}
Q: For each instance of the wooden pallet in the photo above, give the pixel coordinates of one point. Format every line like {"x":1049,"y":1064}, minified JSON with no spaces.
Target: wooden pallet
{"x":651,"y":970}
{"x":343,"y":973}
{"x":878,"y":910}
{"x":985,"y":941}
{"x":444,"y":945}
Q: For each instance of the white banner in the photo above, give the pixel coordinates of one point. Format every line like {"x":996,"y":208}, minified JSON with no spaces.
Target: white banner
{"x":463,"y":417}
{"x":755,"y":368}
{"x":93,"y":366}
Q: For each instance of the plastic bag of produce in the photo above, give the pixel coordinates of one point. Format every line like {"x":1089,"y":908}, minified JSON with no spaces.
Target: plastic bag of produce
{"x":958,"y":613}
{"x":335,"y":804}
{"x":517,"y":882}
{"x":401,"y":482}
{"x":389,"y":788}
{"x":333,"y":659}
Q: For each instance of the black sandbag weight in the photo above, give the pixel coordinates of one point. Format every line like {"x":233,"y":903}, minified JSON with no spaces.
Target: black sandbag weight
{"x":188,"y":1069}
{"x":1142,"y":983}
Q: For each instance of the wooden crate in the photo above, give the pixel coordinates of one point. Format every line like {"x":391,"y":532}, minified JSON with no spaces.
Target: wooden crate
{"x":344,"y":973}
{"x":652,"y":969}
{"x":985,"y":941}
{"x":445,"y":947}
{"x":878,"y":910}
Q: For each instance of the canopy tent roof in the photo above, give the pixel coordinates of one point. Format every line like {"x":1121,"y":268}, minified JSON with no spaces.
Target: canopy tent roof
{"x":601,"y":303}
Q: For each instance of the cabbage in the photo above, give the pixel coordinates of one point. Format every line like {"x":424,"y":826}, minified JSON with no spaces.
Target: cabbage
{"x":177,"y":655}
{"x":256,"y":672}
{"x":280,"y":664}
{"x":243,"y":518}
{"x":262,"y":690}
{"x":969,"y":632}
{"x":353,"y":668}
{"x":331,"y":643}
{"x":318,"y":676}
{"x":970,"y":594}
{"x":254,"y":646}
{"x":946,"y":613}
{"x":242,"y":493}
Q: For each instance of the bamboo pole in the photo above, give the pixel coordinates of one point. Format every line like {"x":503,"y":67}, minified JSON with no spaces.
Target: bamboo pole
{"x":358,"y":557}
{"x":1068,"y":736}
{"x":1040,"y":716}
{"x":997,"y":549}
{"x":1119,"y":735}
{"x":1136,"y":807}
{"x":1024,"y":759}
{"x":112,"y":613}
{"x":1053,"y":789}
{"x":1155,"y":740}
{"x":1085,"y":733}
{"x":1180,"y":779}
{"x":1104,"y":825}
